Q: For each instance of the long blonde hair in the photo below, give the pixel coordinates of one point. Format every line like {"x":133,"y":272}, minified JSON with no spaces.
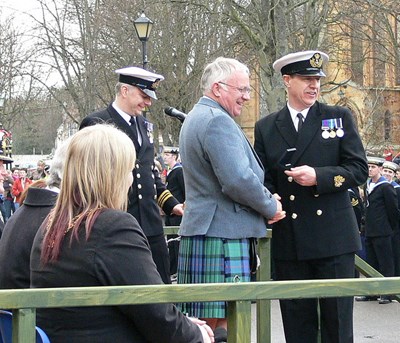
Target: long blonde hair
{"x":98,"y":162}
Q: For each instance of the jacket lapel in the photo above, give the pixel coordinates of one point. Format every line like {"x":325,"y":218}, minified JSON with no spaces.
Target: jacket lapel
{"x":251,"y":147}
{"x":119,"y":121}
{"x":209,"y":102}
{"x":285,"y":127}
{"x":141,"y":122}
{"x":122,"y":124}
{"x":310,"y":127}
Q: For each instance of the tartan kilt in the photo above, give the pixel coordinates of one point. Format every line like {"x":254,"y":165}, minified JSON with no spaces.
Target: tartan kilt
{"x":211,"y":260}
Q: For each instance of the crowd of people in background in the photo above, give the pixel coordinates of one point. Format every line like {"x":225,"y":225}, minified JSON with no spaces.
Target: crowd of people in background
{"x":14,"y":182}
{"x":377,"y":208}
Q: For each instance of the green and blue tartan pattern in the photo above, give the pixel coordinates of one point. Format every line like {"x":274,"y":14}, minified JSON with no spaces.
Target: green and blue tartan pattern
{"x":211,"y":260}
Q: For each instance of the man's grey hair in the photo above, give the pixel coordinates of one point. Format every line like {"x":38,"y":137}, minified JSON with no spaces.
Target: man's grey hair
{"x":118,"y":87}
{"x":220,"y":70}
{"x":57,"y":165}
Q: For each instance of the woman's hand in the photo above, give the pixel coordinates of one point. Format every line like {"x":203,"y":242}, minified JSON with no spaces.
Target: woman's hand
{"x":206,"y":331}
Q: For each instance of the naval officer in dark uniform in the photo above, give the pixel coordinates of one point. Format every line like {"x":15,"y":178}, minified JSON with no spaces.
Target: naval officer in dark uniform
{"x":389,"y":169}
{"x":176,"y":185}
{"x":381,"y":221}
{"x":174,"y":181}
{"x":134,"y":92}
{"x":319,"y":236}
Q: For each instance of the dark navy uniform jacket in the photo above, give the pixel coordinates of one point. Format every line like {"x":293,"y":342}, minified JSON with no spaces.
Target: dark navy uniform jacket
{"x":358,"y":206}
{"x":382,"y":213}
{"x":320,"y":220}
{"x":147,"y":190}
{"x":176,"y":185}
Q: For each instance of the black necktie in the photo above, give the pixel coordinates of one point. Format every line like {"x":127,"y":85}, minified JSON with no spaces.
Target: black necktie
{"x":300,"y":123}
{"x":135,"y":132}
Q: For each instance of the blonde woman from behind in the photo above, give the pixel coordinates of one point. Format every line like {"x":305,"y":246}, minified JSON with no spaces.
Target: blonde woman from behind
{"x":89,"y":240}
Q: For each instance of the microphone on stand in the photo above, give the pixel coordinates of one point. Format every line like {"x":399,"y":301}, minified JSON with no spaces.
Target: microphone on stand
{"x":173,"y":112}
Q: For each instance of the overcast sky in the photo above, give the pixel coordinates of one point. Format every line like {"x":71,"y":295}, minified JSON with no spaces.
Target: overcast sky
{"x":18,"y":5}
{"x":18,"y":8}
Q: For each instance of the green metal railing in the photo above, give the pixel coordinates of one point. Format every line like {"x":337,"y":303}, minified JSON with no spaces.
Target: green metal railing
{"x":239,"y":296}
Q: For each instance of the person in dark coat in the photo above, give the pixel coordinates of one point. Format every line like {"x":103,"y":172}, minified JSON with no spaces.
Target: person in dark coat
{"x":176,"y":185}
{"x":88,"y":239}
{"x":134,"y":92}
{"x":389,"y":170}
{"x":8,"y":198}
{"x":358,"y":205}
{"x":381,"y":221}
{"x":359,"y":210}
{"x":319,"y":236}
{"x":21,"y":228}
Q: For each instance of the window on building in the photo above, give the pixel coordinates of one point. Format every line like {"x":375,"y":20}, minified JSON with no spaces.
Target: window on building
{"x":357,"y":61}
{"x":397,"y":49}
{"x":357,"y":53}
{"x":388,"y":125}
{"x":378,"y":61}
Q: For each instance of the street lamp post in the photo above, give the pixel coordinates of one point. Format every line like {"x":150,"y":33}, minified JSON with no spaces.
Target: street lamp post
{"x":5,"y":137}
{"x":2,"y":101}
{"x":143,"y":26}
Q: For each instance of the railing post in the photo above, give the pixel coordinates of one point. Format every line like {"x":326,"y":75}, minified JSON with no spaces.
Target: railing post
{"x":23,"y":323}
{"x":264,"y":274}
{"x":239,"y":321}
{"x":365,"y":269}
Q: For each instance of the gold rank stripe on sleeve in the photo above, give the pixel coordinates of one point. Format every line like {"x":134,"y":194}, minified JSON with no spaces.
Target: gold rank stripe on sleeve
{"x":354,"y":202}
{"x":164,"y":196}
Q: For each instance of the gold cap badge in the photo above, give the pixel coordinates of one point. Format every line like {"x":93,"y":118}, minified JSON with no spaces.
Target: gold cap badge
{"x":316,"y":61}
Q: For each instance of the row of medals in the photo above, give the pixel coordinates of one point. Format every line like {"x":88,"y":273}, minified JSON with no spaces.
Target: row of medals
{"x":332,"y":128}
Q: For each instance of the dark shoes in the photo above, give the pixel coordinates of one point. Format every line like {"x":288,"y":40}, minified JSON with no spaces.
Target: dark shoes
{"x":385,"y":299}
{"x":367,"y":298}
{"x":220,"y":335}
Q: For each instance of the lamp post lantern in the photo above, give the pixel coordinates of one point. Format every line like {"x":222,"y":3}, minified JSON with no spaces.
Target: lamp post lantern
{"x":143,"y":26}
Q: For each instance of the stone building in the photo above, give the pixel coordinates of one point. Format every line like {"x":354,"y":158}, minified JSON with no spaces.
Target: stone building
{"x":363,"y":76}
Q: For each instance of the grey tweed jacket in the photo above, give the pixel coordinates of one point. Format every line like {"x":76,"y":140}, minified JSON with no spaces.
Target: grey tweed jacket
{"x":225,"y":196}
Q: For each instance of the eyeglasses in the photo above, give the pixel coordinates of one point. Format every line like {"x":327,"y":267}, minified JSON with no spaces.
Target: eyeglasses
{"x":242,"y":90}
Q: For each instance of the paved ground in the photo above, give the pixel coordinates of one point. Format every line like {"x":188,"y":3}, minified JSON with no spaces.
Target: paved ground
{"x":373,"y":323}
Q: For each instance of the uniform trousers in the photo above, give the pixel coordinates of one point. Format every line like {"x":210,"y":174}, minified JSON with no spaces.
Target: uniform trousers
{"x":159,"y":250}
{"x":380,"y":254}
{"x":396,"y":252}
{"x":300,"y":316}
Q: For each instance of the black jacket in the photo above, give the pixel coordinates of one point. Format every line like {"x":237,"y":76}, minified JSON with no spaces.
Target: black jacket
{"x":18,"y":235}
{"x":147,"y":192}
{"x":382,"y":213}
{"x":176,"y":185}
{"x":116,"y":254}
{"x":320,"y":220}
{"x":358,"y":206}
